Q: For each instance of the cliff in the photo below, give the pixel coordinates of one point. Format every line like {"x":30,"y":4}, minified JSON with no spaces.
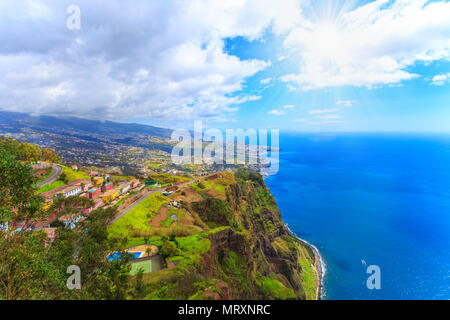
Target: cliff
{"x":245,"y":251}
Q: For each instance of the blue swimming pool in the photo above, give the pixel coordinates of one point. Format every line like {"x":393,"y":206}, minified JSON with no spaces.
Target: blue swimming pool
{"x":117,"y":256}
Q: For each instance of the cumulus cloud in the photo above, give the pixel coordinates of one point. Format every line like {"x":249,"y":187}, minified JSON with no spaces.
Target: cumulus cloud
{"x":166,"y":60}
{"x":440,"y":79}
{"x":370,"y":45}
{"x":289,"y":106}
{"x":159,"y":60}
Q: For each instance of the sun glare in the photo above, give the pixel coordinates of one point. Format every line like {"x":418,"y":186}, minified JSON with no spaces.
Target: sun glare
{"x":327,"y":40}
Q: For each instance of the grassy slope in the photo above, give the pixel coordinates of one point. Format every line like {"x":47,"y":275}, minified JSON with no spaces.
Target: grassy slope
{"x":276,"y":289}
{"x":166,"y":178}
{"x":187,"y":279}
{"x":307,"y":274}
{"x":51,"y":186}
{"x":74,"y":175}
{"x":70,"y":176}
{"x":138,"y":217}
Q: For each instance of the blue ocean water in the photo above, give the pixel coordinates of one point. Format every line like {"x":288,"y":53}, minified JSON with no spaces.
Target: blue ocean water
{"x":381,"y":198}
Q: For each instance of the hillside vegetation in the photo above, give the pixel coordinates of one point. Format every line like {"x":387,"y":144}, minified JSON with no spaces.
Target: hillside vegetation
{"x":229,"y":243}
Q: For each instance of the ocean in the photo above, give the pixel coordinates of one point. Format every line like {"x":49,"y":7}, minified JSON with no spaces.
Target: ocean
{"x":381,"y":199}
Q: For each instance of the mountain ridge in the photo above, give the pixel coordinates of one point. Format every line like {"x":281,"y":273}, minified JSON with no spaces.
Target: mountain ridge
{"x":49,"y":123}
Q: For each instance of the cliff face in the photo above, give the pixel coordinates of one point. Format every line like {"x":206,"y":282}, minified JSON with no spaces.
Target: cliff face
{"x":257,"y":257}
{"x":248,"y":252}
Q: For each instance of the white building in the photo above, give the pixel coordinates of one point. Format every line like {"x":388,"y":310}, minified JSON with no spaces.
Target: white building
{"x":72,"y":191}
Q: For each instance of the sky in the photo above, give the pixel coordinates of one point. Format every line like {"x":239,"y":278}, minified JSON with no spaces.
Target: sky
{"x":297,"y":65}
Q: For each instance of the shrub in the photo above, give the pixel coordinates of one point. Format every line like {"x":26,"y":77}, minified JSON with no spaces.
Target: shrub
{"x":169,"y":249}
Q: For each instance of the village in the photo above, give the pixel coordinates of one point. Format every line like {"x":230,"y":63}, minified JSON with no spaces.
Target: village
{"x":111,"y":190}
{"x":99,"y":188}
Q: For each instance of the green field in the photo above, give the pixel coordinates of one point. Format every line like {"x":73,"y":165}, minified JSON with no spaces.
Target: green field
{"x":167,"y":178}
{"x":220,"y":189}
{"x":276,"y":289}
{"x":308,"y":275}
{"x":51,"y":186}
{"x":154,"y":165}
{"x":74,"y":175}
{"x":139,"y":217}
{"x":191,"y":249}
{"x":202,"y":185}
{"x":122,"y":178}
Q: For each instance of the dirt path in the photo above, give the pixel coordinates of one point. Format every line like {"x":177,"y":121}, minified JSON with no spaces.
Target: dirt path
{"x":161,"y":216}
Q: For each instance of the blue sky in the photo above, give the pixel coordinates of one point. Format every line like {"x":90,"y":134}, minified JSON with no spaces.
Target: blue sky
{"x":412,"y":105}
{"x":298,"y":65}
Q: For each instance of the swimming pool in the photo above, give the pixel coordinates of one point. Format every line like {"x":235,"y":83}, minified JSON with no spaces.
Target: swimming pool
{"x":117,"y":256}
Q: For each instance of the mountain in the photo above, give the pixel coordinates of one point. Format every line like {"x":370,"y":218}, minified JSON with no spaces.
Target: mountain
{"x":84,"y":141}
{"x":17,"y":122}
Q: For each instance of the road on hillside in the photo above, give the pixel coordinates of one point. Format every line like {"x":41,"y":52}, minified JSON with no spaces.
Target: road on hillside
{"x":53,"y":177}
{"x":132,"y":206}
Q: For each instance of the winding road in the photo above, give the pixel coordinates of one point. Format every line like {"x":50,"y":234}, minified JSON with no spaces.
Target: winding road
{"x":53,"y":177}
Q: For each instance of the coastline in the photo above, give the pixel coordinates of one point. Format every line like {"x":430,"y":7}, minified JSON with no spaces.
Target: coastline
{"x":319,"y":263}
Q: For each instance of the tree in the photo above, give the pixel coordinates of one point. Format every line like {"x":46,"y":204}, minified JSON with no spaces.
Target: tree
{"x":63,"y":177}
{"x":169,"y":249}
{"x":12,"y":146}
{"x":50,"y":155}
{"x":22,"y":151}
{"x":30,"y":152}
{"x":17,"y":197}
{"x":33,"y":268}
{"x":138,"y":287}
{"x":70,"y":205}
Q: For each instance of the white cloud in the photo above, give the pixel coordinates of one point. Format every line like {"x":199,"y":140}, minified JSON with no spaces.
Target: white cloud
{"x":346,"y":103}
{"x":322,"y":111}
{"x":279,"y":112}
{"x":266,"y":81}
{"x":276,"y":112}
{"x":158,"y":60}
{"x":440,"y":80}
{"x":371,"y":45}
{"x":166,"y":60}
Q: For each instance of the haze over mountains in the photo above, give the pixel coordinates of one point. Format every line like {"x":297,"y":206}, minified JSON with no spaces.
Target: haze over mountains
{"x":18,"y":122}
{"x":37,"y":128}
